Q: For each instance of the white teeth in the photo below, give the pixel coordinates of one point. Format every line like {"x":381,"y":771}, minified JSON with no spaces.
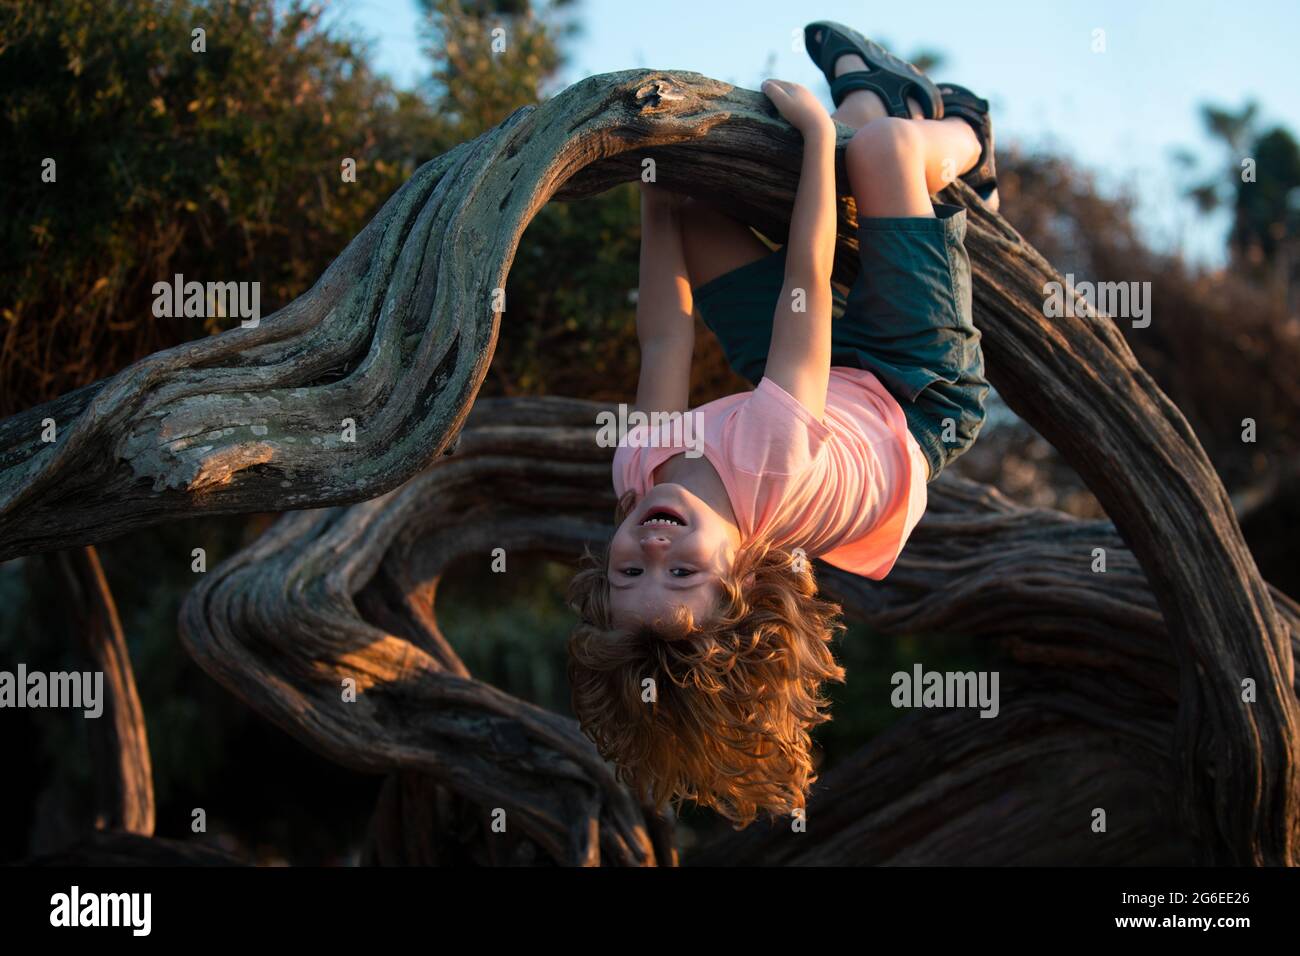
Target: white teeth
{"x":661,"y":521}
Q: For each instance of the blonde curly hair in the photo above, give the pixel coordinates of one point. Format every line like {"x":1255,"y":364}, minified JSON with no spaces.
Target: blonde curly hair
{"x":725,"y":720}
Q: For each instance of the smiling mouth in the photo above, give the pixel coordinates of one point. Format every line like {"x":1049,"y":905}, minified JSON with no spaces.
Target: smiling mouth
{"x":661,"y":517}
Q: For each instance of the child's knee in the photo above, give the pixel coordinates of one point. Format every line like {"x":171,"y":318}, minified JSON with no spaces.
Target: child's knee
{"x":887,"y":139}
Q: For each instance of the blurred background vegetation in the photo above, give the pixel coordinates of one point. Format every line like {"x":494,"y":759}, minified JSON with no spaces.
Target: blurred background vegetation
{"x":226,"y":166}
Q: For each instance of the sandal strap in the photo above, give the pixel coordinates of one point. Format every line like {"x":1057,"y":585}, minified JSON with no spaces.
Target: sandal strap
{"x":961,"y":102}
{"x":833,"y":46}
{"x":890,"y":87}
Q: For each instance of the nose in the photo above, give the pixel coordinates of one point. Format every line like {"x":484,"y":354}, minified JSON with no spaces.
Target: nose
{"x":653,"y":542}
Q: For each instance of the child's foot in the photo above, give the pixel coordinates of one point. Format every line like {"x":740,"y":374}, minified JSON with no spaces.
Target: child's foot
{"x":982,"y":177}
{"x":889,"y":77}
{"x":852,"y":111}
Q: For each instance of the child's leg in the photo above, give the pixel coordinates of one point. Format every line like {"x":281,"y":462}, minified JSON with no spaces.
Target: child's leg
{"x":736,"y":282}
{"x":894,"y":164}
{"x":714,"y":243}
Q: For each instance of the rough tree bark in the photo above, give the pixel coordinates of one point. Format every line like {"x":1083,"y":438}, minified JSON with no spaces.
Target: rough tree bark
{"x":398,"y":333}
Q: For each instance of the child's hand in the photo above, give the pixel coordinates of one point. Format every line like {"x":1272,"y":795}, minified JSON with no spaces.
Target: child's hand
{"x":800,"y":108}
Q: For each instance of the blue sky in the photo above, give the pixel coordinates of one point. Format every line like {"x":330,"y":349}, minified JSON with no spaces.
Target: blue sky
{"x":1120,"y":112}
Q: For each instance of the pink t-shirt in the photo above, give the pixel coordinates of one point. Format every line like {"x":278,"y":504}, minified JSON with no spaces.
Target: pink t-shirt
{"x":848,"y":489}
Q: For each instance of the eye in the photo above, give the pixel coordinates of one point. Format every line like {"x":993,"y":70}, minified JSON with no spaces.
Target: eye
{"x":681,"y":572}
{"x":630,"y":572}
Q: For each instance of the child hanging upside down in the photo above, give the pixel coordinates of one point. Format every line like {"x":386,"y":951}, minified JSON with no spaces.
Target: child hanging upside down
{"x":698,"y":663}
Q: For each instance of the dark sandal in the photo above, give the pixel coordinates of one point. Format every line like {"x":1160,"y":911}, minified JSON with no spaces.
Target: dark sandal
{"x":891,"y":78}
{"x":959,"y":101}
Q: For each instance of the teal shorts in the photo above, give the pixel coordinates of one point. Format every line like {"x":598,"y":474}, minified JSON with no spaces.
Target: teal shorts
{"x":907,"y":319}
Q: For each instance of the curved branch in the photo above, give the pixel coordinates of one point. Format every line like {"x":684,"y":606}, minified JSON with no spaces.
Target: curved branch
{"x":396,"y":337}
{"x":119,"y":740}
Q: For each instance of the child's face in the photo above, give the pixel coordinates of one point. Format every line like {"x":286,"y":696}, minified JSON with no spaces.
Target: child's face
{"x":672,"y":550}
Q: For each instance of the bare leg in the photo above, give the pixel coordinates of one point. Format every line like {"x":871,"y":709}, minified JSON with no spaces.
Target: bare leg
{"x":895,"y":164}
{"x":715,"y":243}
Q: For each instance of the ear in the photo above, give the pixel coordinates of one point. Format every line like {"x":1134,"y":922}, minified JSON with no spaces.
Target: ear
{"x":749,"y":580}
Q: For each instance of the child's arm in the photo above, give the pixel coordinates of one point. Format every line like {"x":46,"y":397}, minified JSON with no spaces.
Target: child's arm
{"x":664,"y":326}
{"x":799,"y":358}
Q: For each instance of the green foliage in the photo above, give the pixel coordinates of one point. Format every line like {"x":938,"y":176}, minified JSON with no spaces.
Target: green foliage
{"x":861,"y":707}
{"x":572,"y":337}
{"x":511,"y":629}
{"x":588,"y":320}
{"x":225,"y":165}
{"x":1266,"y":209}
{"x":221,"y":165}
{"x":491,"y":57}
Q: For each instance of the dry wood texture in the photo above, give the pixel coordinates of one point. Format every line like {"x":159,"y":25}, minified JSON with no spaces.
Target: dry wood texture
{"x":396,"y":337}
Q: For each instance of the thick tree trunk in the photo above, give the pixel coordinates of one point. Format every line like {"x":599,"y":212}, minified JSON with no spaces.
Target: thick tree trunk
{"x":396,"y":337}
